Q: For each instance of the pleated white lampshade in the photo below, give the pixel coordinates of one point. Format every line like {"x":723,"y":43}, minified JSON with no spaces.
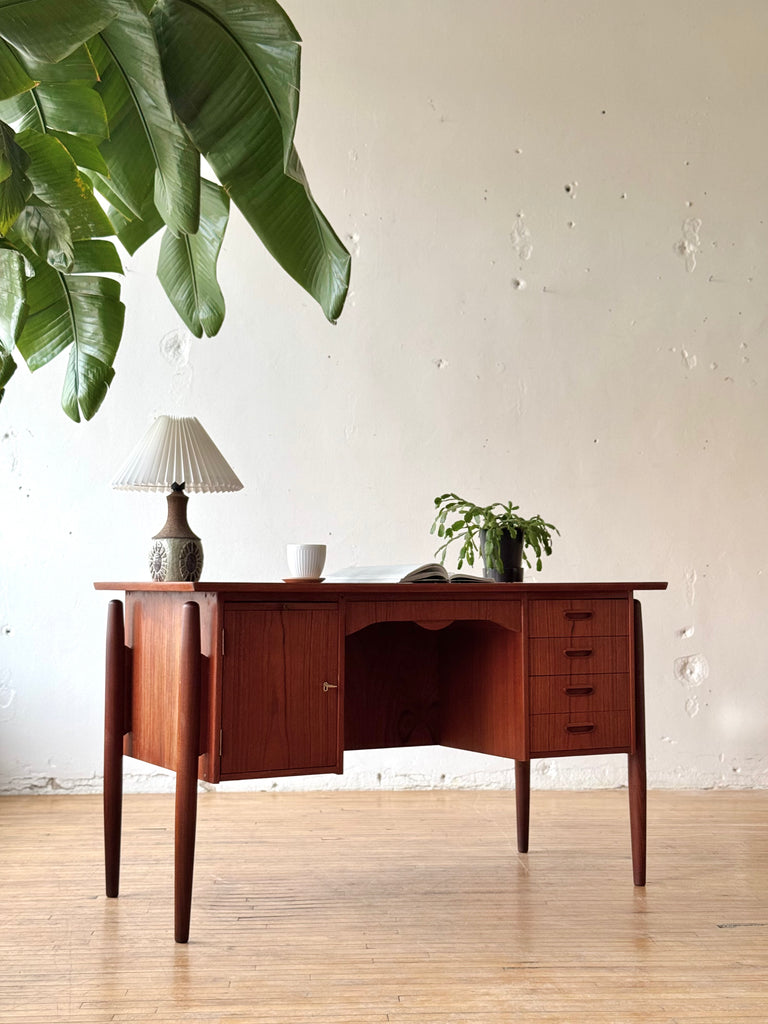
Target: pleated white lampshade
{"x":176,"y":455}
{"x":176,"y":450}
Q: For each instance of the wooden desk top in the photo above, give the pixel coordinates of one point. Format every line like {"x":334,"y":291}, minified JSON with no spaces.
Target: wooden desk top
{"x":469,"y":590}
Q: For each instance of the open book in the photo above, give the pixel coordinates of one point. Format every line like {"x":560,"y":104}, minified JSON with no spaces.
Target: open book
{"x":433,"y":572}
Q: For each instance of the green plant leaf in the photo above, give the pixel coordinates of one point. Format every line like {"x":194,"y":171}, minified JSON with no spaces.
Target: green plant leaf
{"x":187,"y":265}
{"x":83,"y":150}
{"x":7,"y":369}
{"x":46,"y":232}
{"x":96,"y":256}
{"x":494,"y":520}
{"x":231,"y":115}
{"x":84,"y":312}
{"x":13,"y":77}
{"x":71,"y":107}
{"x":63,"y":103}
{"x":130,"y":40}
{"x":76,"y":67}
{"x":49,"y":30}
{"x":13,"y":300}
{"x":129,"y":175}
{"x":15,"y":186}
{"x":133,"y":231}
{"x":58,"y":182}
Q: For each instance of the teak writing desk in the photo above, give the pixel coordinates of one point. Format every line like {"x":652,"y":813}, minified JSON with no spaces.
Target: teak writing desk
{"x":223,"y":681}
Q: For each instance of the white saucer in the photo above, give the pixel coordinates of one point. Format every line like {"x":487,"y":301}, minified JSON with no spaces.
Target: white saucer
{"x":305,"y":579}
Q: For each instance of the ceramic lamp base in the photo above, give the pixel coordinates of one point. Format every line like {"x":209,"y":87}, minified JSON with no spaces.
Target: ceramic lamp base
{"x":176,"y":560}
{"x":176,"y":555}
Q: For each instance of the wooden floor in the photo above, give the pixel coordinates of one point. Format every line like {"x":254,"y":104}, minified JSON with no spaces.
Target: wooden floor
{"x":412,"y":908}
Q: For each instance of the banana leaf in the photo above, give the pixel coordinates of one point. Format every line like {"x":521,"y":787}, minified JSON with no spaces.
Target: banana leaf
{"x":230,"y":113}
{"x":46,"y":232}
{"x":129,"y":176}
{"x":134,"y":231}
{"x":122,"y":97}
{"x":7,"y":369}
{"x":58,"y":182}
{"x":83,"y":150}
{"x":49,"y":30}
{"x":132,"y":46}
{"x":96,"y":256}
{"x":15,"y":186}
{"x":76,"y":68}
{"x":13,"y":77}
{"x":13,"y":301}
{"x":60,"y":102}
{"x":81,"y":312}
{"x":187,"y":265}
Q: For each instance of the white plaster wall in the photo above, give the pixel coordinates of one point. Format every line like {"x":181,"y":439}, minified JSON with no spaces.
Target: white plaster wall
{"x":558,"y":216}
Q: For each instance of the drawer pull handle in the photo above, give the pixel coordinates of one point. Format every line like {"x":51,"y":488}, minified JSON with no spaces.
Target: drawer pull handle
{"x":578,"y":652}
{"x":329,"y":686}
{"x":580,"y":727}
{"x":579,"y":691}
{"x":577,"y":616}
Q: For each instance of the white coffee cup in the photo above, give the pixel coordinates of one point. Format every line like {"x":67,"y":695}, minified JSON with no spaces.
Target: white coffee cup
{"x":305,"y":561}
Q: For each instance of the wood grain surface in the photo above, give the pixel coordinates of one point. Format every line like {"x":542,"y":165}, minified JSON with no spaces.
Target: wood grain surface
{"x":406,"y":908}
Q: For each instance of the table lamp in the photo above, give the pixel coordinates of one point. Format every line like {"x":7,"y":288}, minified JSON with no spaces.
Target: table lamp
{"x":176,"y":455}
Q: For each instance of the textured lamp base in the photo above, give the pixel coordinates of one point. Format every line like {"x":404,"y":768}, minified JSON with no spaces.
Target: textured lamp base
{"x":176,"y":560}
{"x":176,"y":555}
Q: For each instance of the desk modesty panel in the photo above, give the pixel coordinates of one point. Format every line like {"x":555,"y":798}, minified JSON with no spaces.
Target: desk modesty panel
{"x":221,"y":681}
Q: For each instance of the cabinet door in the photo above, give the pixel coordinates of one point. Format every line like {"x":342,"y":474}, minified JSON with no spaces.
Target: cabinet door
{"x":280,"y":691}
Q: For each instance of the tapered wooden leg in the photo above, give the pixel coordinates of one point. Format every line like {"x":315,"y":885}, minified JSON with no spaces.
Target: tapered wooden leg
{"x":187,"y":751}
{"x":637,"y":773}
{"x":523,"y":802}
{"x":114,"y":730}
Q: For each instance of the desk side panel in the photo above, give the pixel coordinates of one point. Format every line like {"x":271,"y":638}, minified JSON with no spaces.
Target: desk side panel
{"x":153,"y":634}
{"x":483,"y":706}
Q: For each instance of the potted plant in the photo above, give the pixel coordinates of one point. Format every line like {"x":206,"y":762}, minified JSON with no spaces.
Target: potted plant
{"x":496,"y":531}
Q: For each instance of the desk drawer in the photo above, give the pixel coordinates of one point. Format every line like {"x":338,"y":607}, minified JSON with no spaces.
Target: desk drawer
{"x":569,"y":656}
{"x":595,"y":692}
{"x":578,"y":618}
{"x":599,"y":730}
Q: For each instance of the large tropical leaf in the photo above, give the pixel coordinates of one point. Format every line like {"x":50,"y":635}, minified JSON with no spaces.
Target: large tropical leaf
{"x":46,"y":232}
{"x":134,"y":231}
{"x":89,"y":370}
{"x":96,"y":256}
{"x":58,"y":182}
{"x":15,"y":186}
{"x":66,"y":107}
{"x":84,"y":312}
{"x":131,"y":42}
{"x":76,"y":67}
{"x":13,"y":299}
{"x":122,"y":96}
{"x":51,"y":29}
{"x":83,"y":150}
{"x":129,"y":176}
{"x":13,"y":76}
{"x":187,"y":265}
{"x":61,"y":102}
{"x":231,"y":115}
{"x":7,"y":369}
{"x":48,"y":108}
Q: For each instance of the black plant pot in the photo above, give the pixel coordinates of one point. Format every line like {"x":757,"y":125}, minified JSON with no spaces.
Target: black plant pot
{"x":511,"y":551}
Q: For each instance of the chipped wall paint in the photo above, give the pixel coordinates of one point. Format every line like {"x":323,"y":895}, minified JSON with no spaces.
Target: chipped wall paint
{"x":689,"y":245}
{"x":558,"y":296}
{"x":520,"y":236}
